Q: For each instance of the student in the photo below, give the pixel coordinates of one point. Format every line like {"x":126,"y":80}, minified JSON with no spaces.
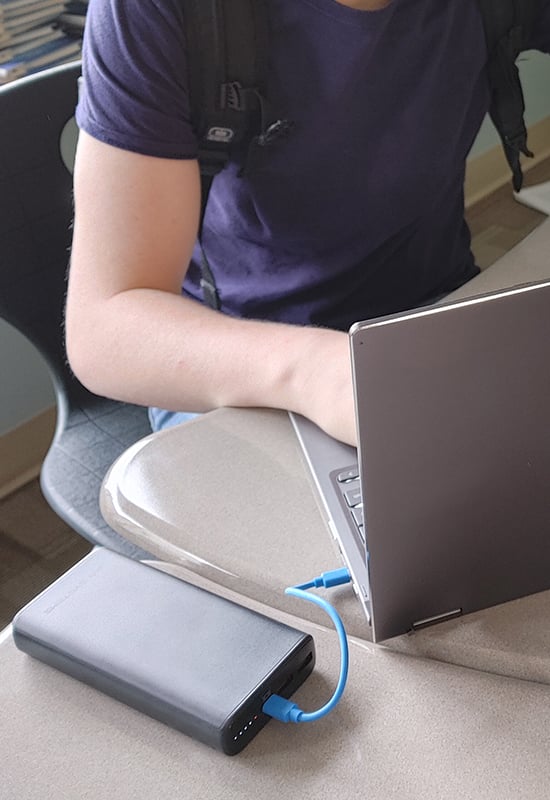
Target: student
{"x":358,"y":212}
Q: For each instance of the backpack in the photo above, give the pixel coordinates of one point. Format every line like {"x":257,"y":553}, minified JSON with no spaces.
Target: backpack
{"x":227,"y":44}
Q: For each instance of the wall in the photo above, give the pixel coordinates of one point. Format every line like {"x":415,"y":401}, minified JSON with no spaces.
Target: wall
{"x":26,"y":387}
{"x":535,"y":75}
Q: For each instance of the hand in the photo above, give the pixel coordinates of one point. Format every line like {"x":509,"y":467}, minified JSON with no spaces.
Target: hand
{"x":325,"y":385}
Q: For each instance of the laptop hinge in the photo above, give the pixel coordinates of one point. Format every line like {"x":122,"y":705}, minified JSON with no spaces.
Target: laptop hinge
{"x":424,"y":623}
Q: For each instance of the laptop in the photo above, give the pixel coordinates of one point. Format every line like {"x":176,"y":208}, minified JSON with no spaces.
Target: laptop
{"x":444,"y":509}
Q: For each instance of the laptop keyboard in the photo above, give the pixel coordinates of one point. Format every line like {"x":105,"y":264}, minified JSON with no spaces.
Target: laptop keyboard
{"x":349,"y":490}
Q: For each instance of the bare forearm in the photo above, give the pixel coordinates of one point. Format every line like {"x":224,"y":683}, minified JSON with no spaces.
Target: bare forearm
{"x":156,"y":348}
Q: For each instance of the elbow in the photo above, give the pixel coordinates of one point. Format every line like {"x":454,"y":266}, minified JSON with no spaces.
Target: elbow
{"x":79,"y":357}
{"x":86,"y":354}
{"x":98,"y":352}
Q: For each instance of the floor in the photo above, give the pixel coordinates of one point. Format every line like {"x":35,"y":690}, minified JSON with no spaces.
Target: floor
{"x":36,"y":546}
{"x":499,"y":222}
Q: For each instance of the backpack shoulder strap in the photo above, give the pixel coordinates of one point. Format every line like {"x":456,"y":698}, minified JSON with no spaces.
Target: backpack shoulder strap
{"x":507,"y":26}
{"x":227,"y":43}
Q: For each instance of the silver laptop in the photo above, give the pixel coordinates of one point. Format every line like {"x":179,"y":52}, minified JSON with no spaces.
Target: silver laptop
{"x":445,"y":507}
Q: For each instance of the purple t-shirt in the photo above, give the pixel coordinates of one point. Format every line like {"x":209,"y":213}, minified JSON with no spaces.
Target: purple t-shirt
{"x":359,"y":212}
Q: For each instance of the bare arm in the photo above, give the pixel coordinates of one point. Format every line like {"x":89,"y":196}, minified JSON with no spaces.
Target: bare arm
{"x":132,"y":336}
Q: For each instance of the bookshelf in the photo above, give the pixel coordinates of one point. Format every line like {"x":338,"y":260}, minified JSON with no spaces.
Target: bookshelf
{"x":37,"y":34}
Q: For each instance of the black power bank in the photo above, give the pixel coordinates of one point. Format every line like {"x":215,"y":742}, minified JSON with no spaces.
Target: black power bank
{"x":182,"y":655}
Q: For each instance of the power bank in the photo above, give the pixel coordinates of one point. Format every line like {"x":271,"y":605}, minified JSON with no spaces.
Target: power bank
{"x":179,"y":653}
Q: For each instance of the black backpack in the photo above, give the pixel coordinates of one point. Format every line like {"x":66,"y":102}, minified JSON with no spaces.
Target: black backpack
{"x":228,"y":42}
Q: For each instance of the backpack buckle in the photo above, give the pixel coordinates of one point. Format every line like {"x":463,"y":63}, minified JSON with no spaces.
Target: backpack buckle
{"x":279,"y":129}
{"x":220,"y":135}
{"x":232,"y":96}
{"x":236,"y":97}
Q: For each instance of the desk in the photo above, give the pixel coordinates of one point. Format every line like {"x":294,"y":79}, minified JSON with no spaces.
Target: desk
{"x":408,"y":727}
{"x":227,"y":497}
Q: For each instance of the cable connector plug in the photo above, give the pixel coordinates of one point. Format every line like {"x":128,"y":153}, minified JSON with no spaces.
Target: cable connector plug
{"x":283,"y":710}
{"x":335,"y":577}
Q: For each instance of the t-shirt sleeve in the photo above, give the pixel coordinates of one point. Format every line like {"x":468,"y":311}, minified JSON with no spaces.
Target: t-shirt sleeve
{"x":540,"y":38}
{"x":134,"y":91}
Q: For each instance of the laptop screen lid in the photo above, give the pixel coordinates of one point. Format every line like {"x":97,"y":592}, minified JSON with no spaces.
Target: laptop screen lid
{"x":453,"y":407}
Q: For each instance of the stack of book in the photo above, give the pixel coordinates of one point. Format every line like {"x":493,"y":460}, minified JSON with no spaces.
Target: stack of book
{"x":31,"y":38}
{"x":73,"y":17}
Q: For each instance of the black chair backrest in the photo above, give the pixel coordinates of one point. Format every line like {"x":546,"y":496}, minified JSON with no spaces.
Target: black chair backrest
{"x":36,"y":211}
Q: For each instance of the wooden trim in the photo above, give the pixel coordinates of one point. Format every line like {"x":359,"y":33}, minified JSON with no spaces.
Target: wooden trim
{"x":488,"y":172}
{"x":22,"y":451}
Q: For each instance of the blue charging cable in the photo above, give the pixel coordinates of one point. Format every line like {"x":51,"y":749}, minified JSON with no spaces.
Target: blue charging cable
{"x":285,"y":710}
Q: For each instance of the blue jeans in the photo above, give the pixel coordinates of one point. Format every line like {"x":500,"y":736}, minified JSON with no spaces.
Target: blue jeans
{"x":161,"y":419}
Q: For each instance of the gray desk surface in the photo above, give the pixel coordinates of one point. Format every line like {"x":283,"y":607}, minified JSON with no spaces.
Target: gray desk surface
{"x":407,"y":728}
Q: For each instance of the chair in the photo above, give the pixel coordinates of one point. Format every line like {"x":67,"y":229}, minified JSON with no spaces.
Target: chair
{"x":35,"y":236}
